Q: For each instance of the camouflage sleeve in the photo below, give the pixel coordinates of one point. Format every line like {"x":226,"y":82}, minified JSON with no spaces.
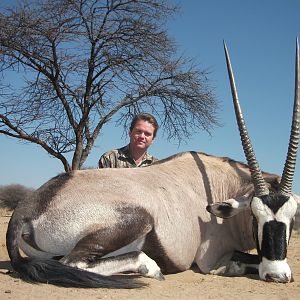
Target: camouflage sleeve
{"x":104,"y":162}
{"x":109,"y":160}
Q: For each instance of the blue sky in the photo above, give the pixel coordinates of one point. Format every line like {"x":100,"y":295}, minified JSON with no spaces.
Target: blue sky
{"x":260,"y":35}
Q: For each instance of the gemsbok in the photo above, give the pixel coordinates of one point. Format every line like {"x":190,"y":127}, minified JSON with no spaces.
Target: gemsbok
{"x":80,"y":228}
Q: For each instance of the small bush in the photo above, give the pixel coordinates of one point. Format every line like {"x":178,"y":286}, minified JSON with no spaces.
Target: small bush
{"x":10,"y":195}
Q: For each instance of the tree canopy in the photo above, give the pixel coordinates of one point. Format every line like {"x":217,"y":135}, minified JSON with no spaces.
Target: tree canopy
{"x":69,"y":66}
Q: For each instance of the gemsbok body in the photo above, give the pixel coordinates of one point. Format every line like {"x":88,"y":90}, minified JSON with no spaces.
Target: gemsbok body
{"x":79,"y":228}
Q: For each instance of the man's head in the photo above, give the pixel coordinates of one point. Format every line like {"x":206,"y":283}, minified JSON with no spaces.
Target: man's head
{"x":143,"y":130}
{"x":147,"y":118}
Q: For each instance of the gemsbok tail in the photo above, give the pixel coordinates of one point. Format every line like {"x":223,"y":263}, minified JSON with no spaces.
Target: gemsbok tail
{"x":36,"y":270}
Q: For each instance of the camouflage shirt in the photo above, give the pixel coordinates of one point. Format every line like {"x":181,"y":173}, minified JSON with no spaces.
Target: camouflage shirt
{"x":120,"y":158}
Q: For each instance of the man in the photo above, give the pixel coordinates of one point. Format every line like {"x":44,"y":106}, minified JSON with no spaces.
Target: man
{"x":142,"y":133}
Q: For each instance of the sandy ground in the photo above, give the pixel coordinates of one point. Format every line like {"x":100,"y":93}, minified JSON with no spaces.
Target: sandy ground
{"x":186,"y":285}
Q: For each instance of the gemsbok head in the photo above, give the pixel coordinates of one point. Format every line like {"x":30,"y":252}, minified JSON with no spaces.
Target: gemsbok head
{"x":273,"y":213}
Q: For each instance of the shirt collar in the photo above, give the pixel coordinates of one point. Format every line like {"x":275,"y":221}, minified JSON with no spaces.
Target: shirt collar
{"x":124,"y":152}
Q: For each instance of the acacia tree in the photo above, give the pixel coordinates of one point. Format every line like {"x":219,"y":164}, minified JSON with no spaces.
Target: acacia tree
{"x":69,"y":66}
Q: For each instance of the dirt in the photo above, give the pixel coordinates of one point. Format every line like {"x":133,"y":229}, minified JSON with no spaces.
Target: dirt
{"x":186,"y":285}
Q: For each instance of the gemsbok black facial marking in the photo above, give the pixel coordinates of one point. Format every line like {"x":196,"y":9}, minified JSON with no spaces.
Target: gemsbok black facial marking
{"x":275,"y":201}
{"x":274,"y":241}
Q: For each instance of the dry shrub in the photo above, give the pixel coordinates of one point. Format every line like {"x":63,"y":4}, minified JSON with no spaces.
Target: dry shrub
{"x":10,"y":195}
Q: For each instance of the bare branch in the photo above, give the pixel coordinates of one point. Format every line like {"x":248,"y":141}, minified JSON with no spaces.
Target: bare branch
{"x":78,"y":63}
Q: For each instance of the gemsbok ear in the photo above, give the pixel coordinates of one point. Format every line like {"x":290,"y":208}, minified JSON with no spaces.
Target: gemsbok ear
{"x":297,"y":199}
{"x":222,"y":210}
{"x":229,"y":208}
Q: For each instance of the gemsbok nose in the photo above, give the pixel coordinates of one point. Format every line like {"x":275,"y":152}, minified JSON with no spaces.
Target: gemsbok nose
{"x":280,"y":278}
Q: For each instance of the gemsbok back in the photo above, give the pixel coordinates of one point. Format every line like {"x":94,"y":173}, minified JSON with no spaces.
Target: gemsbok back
{"x":80,"y":228}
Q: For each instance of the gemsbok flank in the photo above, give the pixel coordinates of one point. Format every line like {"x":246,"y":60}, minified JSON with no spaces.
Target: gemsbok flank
{"x":79,"y":228}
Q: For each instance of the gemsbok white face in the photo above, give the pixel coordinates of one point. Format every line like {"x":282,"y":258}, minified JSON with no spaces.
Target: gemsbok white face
{"x":273,"y":213}
{"x":272,"y":226}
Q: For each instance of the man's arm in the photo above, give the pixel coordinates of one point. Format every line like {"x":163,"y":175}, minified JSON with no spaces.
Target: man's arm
{"x":104,"y":162}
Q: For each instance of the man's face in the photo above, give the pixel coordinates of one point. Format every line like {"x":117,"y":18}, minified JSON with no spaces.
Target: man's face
{"x":141,"y":135}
